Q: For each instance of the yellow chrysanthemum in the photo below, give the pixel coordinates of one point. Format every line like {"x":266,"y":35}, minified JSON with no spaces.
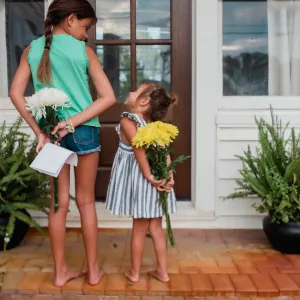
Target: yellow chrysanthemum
{"x":156,"y":133}
{"x":169,"y":128}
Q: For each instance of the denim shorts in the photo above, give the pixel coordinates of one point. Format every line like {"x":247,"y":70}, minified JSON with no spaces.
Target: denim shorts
{"x":84,"y":140}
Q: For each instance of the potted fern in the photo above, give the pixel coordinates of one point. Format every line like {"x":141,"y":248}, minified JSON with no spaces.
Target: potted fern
{"x":21,"y":188}
{"x":272,"y":173}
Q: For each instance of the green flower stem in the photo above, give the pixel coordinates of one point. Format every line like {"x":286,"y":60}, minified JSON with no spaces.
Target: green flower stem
{"x":47,"y":127}
{"x":158,"y":160}
{"x":169,"y":231}
{"x":55,"y":192}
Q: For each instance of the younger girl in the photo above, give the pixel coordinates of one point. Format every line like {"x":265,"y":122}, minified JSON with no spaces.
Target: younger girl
{"x":133,"y":191}
{"x":60,"y":59}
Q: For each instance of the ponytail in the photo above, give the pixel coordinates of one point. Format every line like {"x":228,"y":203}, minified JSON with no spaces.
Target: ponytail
{"x":160,"y":100}
{"x":44,"y":73}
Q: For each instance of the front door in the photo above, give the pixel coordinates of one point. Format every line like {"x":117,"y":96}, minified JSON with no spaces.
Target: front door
{"x":138,"y":41}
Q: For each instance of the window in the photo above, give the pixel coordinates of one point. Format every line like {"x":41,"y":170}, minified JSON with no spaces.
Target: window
{"x":261,"y":48}
{"x":133,"y":42}
{"x":23,"y":22}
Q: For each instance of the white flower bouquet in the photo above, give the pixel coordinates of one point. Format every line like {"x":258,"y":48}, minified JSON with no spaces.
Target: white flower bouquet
{"x":43,"y":106}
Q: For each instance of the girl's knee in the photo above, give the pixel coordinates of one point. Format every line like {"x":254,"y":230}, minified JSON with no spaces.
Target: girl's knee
{"x":64,"y":199}
{"x":84,"y":199}
{"x":85,"y":204}
{"x":155,"y":226}
{"x":61,"y":212}
{"x":141,"y":225}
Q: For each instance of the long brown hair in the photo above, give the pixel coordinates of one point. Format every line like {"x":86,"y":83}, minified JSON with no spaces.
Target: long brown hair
{"x":58,"y":11}
{"x":160,"y":100}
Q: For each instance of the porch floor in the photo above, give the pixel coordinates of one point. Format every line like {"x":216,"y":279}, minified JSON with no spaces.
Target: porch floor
{"x":204,"y":263}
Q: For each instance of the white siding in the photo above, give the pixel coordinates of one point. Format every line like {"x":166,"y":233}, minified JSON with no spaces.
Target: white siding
{"x":9,"y":114}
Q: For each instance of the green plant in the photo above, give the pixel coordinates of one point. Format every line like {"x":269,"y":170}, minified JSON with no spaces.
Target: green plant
{"x":272,"y":172}
{"x":21,"y":188}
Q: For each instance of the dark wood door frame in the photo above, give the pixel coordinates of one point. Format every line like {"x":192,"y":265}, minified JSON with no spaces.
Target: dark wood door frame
{"x":182,"y":87}
{"x":181,"y":82}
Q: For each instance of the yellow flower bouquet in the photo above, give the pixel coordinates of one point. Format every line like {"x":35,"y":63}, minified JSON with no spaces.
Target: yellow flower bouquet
{"x":156,"y":138}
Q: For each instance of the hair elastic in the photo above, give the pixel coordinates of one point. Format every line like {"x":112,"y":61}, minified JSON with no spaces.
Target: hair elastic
{"x":47,"y":48}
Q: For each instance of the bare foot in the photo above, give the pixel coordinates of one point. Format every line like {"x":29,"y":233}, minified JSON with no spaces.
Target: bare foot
{"x":133,"y":278}
{"x":62,"y":279}
{"x":96,"y":278}
{"x":161,"y":277}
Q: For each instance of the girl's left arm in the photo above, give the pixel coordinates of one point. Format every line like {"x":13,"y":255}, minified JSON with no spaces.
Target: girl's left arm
{"x":17,"y":92}
{"x":104,"y":90}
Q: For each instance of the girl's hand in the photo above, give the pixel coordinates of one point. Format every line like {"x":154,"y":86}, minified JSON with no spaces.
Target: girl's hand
{"x":170,"y":185}
{"x":42,"y":140}
{"x":60,"y":126}
{"x":159,"y":184}
{"x":62,"y":133}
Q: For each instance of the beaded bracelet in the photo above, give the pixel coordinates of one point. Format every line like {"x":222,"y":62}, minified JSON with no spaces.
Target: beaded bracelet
{"x":69,"y":126}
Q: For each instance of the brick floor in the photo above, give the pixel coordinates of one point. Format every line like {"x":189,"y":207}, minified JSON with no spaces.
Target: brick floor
{"x":204,"y":265}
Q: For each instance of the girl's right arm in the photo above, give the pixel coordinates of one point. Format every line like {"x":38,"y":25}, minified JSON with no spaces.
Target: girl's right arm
{"x":170,"y":184}
{"x":104,"y":90}
{"x":103,"y":87}
{"x":16,"y":94}
{"x":128,"y":128}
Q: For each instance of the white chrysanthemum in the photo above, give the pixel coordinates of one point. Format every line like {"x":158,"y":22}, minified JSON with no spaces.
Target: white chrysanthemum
{"x":7,"y":240}
{"x":51,"y":97}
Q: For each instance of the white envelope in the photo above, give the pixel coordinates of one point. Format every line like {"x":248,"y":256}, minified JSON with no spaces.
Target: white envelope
{"x":51,"y":159}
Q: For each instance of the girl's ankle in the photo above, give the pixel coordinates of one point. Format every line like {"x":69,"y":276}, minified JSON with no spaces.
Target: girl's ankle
{"x":94,"y":269}
{"x":61,"y":270}
{"x":135,"y":272}
{"x":162,"y":271}
{"x":133,"y":277}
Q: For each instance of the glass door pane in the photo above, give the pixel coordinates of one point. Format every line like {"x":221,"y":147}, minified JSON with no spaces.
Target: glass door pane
{"x":116,"y":62}
{"x":24,"y":23}
{"x":153,"y":63}
{"x":113,"y":19}
{"x":153,"y":19}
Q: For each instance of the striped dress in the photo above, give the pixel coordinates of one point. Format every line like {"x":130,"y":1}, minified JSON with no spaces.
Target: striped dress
{"x":129,"y":193}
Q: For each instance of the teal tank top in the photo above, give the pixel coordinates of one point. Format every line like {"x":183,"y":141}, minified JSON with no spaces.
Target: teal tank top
{"x":69,"y":65}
